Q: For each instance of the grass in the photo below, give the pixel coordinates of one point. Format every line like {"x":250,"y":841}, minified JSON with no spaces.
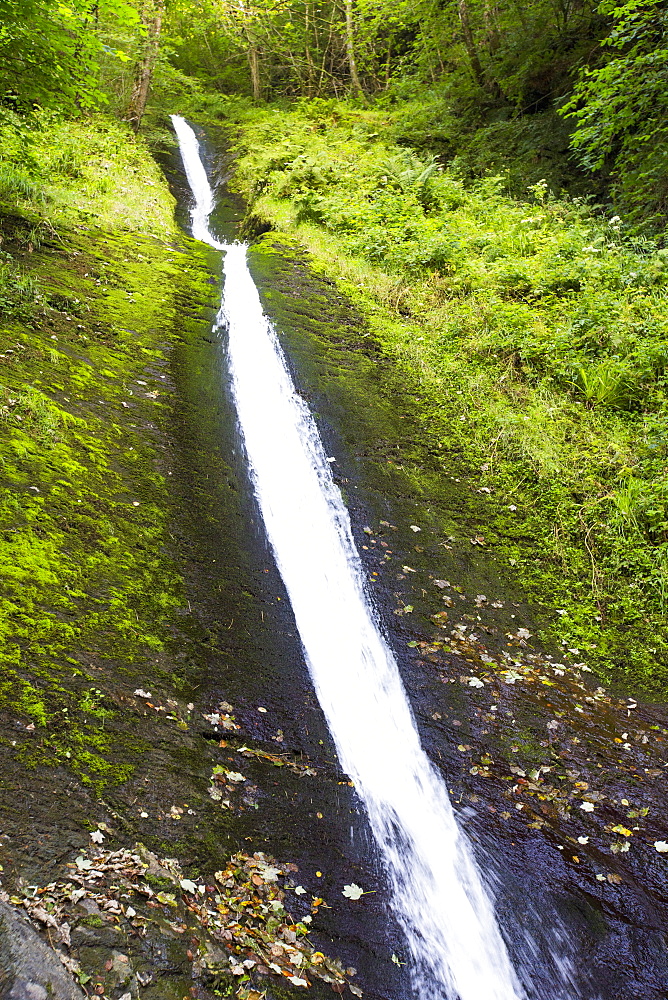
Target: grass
{"x":75,"y":171}
{"x":537,"y":328}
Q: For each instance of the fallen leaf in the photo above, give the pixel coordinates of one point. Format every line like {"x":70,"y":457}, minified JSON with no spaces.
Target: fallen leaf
{"x":167,"y":898}
{"x":268,"y":873}
{"x":352,"y":891}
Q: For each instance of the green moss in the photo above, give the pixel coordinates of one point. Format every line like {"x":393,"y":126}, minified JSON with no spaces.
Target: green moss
{"x":88,"y":587}
{"x":157,"y":883}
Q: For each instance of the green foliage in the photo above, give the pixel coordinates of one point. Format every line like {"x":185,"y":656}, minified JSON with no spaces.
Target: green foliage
{"x":19,"y":292}
{"x":538,"y":328}
{"x":64,"y":171}
{"x":621,"y":108}
{"x":49,"y":51}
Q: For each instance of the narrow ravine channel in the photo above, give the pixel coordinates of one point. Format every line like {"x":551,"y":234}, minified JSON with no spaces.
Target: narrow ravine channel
{"x":437,"y":893}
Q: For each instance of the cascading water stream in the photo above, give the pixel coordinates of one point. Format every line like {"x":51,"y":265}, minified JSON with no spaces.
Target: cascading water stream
{"x":437,"y":893}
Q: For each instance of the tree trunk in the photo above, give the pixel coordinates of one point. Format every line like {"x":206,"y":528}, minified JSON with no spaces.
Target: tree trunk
{"x":151,"y":15}
{"x":350,"y":50}
{"x":491,"y":24}
{"x":469,"y":44}
{"x":254,"y":64}
{"x":310,"y":84}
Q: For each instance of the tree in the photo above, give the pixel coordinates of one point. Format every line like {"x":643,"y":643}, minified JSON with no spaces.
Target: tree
{"x":48,"y":51}
{"x":620,"y":108}
{"x":350,"y":50}
{"x":469,"y":44}
{"x":152,"y":14}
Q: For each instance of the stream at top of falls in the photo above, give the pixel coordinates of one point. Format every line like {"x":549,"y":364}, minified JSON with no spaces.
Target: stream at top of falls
{"x":437,"y":893}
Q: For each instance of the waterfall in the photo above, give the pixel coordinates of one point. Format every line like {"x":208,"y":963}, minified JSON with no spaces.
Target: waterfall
{"x":437,"y":894}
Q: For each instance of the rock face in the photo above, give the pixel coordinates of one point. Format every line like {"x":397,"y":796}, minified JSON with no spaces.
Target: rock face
{"x":29,"y":969}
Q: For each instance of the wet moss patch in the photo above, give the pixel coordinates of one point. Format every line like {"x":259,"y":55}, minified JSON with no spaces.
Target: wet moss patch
{"x":89,"y":584}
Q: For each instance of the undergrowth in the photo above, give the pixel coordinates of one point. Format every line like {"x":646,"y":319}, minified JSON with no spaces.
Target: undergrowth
{"x":85,"y":170}
{"x":538,"y":328}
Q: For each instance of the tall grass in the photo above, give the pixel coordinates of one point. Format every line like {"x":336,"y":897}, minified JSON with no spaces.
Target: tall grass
{"x":19,"y":292}
{"x":89,"y":171}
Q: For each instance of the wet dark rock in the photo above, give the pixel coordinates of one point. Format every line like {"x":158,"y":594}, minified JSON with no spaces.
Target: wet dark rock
{"x":29,"y":969}
{"x":105,"y":935}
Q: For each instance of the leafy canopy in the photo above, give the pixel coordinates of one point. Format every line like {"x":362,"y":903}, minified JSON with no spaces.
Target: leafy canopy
{"x":48,"y":51}
{"x":620,"y":108}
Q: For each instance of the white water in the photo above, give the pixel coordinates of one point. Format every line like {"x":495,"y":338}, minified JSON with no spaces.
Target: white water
{"x":436,"y":890}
